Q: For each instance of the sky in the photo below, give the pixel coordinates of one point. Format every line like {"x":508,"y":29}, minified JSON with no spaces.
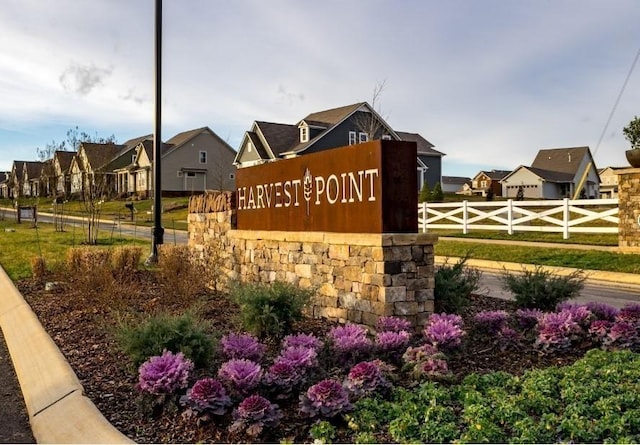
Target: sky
{"x":488,"y":82}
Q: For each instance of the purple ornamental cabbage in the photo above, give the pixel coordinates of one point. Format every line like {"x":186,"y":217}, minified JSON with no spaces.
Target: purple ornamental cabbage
{"x":432,"y":367}
{"x":241,"y":375}
{"x":508,"y":337}
{"x":299,"y":356}
{"x":283,"y":378}
{"x":306,"y":340}
{"x":580,"y":314}
{"x":392,"y":341}
{"x":246,"y":346}
{"x":443,"y":333}
{"x":528,"y":318}
{"x":254,"y":414}
{"x":325,"y":399}
{"x":365,"y":378}
{"x":207,"y":395}
{"x":350,"y":339}
{"x":393,"y":324}
{"x":623,"y":334}
{"x":630,"y":313}
{"x":556,"y":331}
{"x":164,"y":374}
{"x":416,"y":354}
{"x":602,"y":311}
{"x":491,"y":322}
{"x":599,"y":330}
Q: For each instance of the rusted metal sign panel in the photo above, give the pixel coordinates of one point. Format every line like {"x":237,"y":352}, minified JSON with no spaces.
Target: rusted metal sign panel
{"x":363,"y":188}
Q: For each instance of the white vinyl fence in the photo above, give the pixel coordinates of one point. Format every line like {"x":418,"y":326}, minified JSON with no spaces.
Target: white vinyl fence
{"x":562,"y":215}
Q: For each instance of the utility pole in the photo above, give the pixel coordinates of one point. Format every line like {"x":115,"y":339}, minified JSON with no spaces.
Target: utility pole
{"x":158,"y":230}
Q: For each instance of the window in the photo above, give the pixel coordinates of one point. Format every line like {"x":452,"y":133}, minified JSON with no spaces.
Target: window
{"x":191,"y":174}
{"x":232,"y":176}
{"x":352,"y":137}
{"x":133,"y":159}
{"x":363,"y":137}
{"x":203,"y":157}
{"x":386,"y":137}
{"x":249,"y":147}
{"x":304,"y":134}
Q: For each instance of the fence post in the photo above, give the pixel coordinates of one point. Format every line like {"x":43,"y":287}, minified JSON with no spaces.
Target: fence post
{"x":464,"y":217}
{"x":424,"y":217}
{"x":510,"y":216}
{"x":565,"y":219}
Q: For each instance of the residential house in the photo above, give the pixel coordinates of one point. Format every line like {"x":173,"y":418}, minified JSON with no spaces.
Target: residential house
{"x":192,"y":162}
{"x":4,"y":185}
{"x":61,"y":163}
{"x":337,"y":127}
{"x":609,"y":181}
{"x":454,"y":184}
{"x":88,"y":169}
{"x":485,"y":181}
{"x":15,"y":179}
{"x":31,"y":171}
{"x":555,"y":173}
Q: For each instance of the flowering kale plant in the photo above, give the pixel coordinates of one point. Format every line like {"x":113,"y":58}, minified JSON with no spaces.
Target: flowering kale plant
{"x":241,"y":375}
{"x":299,"y":357}
{"x":392,"y":342}
{"x":282,"y":378}
{"x":254,"y":414}
{"x":393,"y":324}
{"x":528,"y":318}
{"x":325,"y":399}
{"x":419,"y":353}
{"x":242,"y":346}
{"x":425,"y":361}
{"x":630,"y":313}
{"x":556,"y":331}
{"x":444,"y":330}
{"x":579,"y":313}
{"x":491,"y":322}
{"x":207,"y":396}
{"x":599,"y":330}
{"x":602,"y":311}
{"x":164,"y":374}
{"x":306,"y":340}
{"x":350,"y":341}
{"x":364,"y":379}
{"x":623,"y":334}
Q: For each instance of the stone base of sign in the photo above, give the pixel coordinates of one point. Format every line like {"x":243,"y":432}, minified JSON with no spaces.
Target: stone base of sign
{"x":629,"y":210}
{"x":358,"y":277}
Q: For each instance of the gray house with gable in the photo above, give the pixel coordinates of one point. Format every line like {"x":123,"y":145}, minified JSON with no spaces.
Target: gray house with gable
{"x":337,"y":127}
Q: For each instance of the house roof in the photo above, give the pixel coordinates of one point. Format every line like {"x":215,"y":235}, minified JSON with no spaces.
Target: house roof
{"x":4,"y":177}
{"x":280,"y":138}
{"x":33,"y":169}
{"x":64,"y":159}
{"x":547,"y":175}
{"x":99,"y":155}
{"x":564,"y":160}
{"x":424,"y":146}
{"x":18,"y":169}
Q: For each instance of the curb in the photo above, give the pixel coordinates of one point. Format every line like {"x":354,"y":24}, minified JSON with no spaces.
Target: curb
{"x":59,"y":412}
{"x":613,"y":279}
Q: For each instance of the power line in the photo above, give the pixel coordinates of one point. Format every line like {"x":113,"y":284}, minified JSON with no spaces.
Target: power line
{"x":615,"y":105}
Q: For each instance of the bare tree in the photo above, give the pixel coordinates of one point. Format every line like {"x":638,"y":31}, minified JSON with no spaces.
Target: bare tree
{"x":367,"y":122}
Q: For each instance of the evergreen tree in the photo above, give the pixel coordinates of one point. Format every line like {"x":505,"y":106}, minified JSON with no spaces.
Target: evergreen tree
{"x":425,"y":193}
{"x":520,"y":194}
{"x":437,"y":195}
{"x":490,"y":194}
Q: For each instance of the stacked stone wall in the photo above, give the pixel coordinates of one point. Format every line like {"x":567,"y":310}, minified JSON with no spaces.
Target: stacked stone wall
{"x":357,"y":277}
{"x":629,"y":210}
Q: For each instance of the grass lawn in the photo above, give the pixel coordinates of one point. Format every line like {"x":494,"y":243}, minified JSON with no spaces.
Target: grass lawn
{"x":20,"y":243}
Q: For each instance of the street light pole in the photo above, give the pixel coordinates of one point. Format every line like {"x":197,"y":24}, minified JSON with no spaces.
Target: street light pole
{"x":158,"y":230}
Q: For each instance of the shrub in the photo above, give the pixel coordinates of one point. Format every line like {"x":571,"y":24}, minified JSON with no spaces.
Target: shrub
{"x":241,"y":375}
{"x":90,"y":270}
{"x":38,"y":268}
{"x":207,"y":396}
{"x":182,"y":275}
{"x":242,"y":346}
{"x":540,"y":289}
{"x":322,"y":432}
{"x":164,"y":374}
{"x":176,"y":333}
{"x":254,"y":414}
{"x":325,"y":399}
{"x":454,"y":285}
{"x":425,"y":193}
{"x":270,"y":310}
{"x":602,"y":311}
{"x":365,"y":379}
{"x":125,"y":259}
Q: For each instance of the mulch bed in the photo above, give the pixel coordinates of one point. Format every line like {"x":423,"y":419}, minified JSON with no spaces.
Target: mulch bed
{"x":82,"y":327}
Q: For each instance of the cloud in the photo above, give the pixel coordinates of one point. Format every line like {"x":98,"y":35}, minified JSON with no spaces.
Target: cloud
{"x":82,"y":79}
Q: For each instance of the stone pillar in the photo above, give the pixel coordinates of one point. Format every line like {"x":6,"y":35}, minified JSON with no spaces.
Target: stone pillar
{"x":629,"y":210}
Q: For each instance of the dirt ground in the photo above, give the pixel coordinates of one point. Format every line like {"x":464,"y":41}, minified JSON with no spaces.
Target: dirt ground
{"x":14,"y":426}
